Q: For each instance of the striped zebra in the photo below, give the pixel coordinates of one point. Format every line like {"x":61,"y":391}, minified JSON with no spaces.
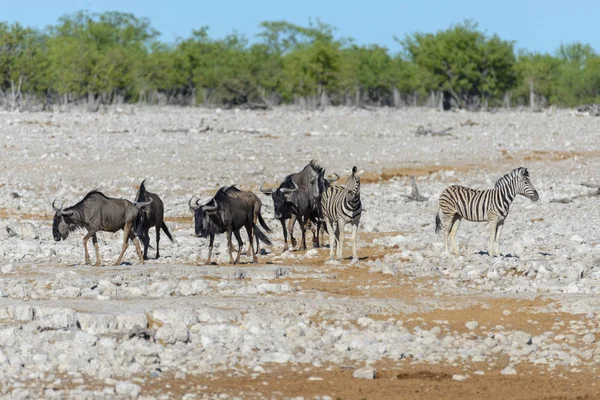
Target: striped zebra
{"x":458,"y":202}
{"x":340,"y":206}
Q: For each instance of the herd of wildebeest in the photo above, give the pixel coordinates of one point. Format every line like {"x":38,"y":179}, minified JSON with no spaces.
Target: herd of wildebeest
{"x":298,"y":198}
{"x":308,"y":196}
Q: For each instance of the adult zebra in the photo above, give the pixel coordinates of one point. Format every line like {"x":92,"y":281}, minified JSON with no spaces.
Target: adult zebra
{"x":340,"y":206}
{"x":458,"y":202}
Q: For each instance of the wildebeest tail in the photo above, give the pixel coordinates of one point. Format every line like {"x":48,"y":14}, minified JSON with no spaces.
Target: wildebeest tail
{"x":166,"y":231}
{"x":438,"y":223}
{"x":263,"y":223}
{"x":260,"y":235}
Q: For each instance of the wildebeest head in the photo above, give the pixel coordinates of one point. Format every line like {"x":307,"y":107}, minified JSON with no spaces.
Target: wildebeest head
{"x":63,"y":224}
{"x":279,"y":196}
{"x":324,"y":182}
{"x":205,"y":217}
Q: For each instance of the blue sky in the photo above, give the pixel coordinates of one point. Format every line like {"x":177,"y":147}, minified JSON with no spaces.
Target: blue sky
{"x":534,"y":25}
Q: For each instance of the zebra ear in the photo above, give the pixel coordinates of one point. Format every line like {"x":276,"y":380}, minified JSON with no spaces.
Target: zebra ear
{"x":354,"y":169}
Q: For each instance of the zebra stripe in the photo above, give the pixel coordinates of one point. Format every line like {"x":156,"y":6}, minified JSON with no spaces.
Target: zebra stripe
{"x":341,"y":205}
{"x":458,"y":202}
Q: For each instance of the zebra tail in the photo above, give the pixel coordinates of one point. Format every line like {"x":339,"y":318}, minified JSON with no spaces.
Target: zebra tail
{"x":261,"y":236}
{"x":438,"y":223}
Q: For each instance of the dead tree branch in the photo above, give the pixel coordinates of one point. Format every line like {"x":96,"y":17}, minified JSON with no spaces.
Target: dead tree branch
{"x":567,"y":200}
{"x":414,"y":195}
{"x":421,"y":131}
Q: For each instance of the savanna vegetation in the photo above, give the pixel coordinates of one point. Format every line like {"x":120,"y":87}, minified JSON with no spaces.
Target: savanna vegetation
{"x":117,"y":57}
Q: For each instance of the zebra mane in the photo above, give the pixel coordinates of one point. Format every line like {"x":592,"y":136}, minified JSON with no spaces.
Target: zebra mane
{"x":511,"y":176}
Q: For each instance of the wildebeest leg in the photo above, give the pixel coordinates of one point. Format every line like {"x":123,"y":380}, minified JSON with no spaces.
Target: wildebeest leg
{"x":285,"y":243}
{"x":340,"y":235}
{"x":210,"y":247}
{"x":250,"y":231}
{"x":136,"y":243}
{"x":240,"y":244}
{"x":157,"y":240}
{"x":331,"y":238}
{"x":230,"y":246}
{"x":316,"y":242}
{"x":126,"y":230}
{"x":291,"y":223}
{"x":146,"y":242}
{"x":302,"y":222}
{"x":85,"y":242}
{"x":95,"y":241}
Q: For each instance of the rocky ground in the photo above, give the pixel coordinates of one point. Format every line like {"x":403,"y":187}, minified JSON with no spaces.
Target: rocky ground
{"x":408,"y":319}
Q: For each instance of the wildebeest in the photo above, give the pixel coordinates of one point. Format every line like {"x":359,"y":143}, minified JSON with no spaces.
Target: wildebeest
{"x":148,"y":217}
{"x":97,"y":212}
{"x":227,"y":212}
{"x":307,"y":187}
{"x":294,"y":202}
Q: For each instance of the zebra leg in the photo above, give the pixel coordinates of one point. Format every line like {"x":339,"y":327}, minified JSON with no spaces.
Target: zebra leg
{"x":446,"y":226}
{"x":498,"y":233}
{"x":453,"y":230}
{"x":340,"y":235}
{"x":493,"y":233}
{"x":331,"y":237}
{"x":354,"y":237}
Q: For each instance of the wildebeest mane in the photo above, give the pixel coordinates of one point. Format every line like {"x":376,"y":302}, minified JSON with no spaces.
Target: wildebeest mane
{"x":287,"y":181}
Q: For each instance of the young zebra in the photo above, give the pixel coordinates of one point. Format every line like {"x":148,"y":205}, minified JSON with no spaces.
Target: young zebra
{"x":340,"y":206}
{"x":458,"y":202}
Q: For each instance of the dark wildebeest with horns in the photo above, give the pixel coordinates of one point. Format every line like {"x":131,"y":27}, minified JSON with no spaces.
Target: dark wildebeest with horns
{"x":298,"y":197}
{"x":288,"y":203}
{"x":148,"y":217}
{"x":227,"y":212}
{"x":96,"y":212}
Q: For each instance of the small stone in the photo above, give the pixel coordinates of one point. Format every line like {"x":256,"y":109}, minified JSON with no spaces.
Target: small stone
{"x":7,"y":269}
{"x":506,"y":313}
{"x":127,"y":388}
{"x":459,"y":378}
{"x":589,"y":338}
{"x":472,"y":325}
{"x":509,"y":371}
{"x":365,"y":373}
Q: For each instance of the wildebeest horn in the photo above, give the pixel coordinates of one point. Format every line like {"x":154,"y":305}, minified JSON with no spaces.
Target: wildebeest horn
{"x":331,"y":180}
{"x":286,"y":190}
{"x":265,"y":191}
{"x":192,"y":208}
{"x":211,"y":208}
{"x":60,"y":210}
{"x":140,"y":204}
{"x":56,"y":209}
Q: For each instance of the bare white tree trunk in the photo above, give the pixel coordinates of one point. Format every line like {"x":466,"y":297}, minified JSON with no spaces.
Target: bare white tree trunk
{"x":532,"y":104}
{"x":15,"y":94}
{"x":396,"y":97}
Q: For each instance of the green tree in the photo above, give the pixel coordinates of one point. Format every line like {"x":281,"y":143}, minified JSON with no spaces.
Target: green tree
{"x":463,"y":63}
